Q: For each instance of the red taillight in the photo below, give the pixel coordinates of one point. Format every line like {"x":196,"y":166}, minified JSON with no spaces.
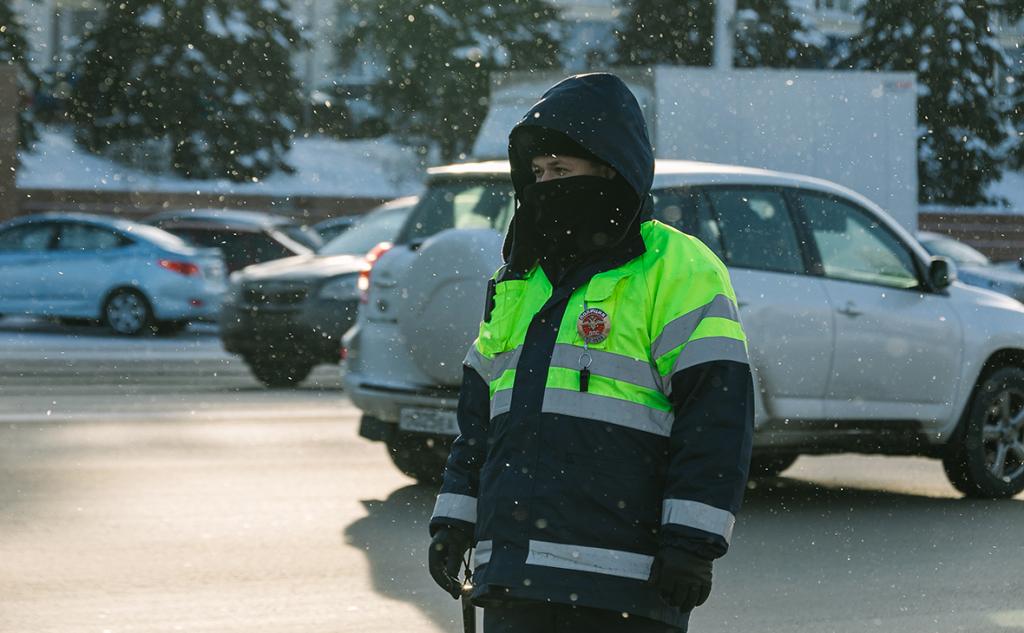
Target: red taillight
{"x":182,"y":268}
{"x":363,"y":283}
{"x":343,"y":353}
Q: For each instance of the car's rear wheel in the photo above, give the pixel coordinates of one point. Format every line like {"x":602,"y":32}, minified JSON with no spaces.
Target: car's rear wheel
{"x":279,"y":373}
{"x":128,"y":313}
{"x":986,"y":456}
{"x":770,"y":465}
{"x":421,"y":457}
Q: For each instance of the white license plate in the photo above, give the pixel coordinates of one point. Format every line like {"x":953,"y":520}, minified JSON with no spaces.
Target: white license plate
{"x":429,"y":421}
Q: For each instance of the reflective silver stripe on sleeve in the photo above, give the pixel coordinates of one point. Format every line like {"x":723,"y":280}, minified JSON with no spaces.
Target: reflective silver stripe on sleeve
{"x":453,"y":506}
{"x":504,"y":361}
{"x":594,"y":560}
{"x":698,"y":515}
{"x":606,"y":409}
{"x":705,"y":350}
{"x":501,"y":402}
{"x":477,"y":361}
{"x":679,"y":330}
{"x":482,"y":553}
{"x":491,"y":369}
{"x":636,"y":372}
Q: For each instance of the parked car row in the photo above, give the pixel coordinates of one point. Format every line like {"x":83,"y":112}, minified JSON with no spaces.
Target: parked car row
{"x":862,"y":338}
{"x":859,"y":338}
{"x":285,"y":313}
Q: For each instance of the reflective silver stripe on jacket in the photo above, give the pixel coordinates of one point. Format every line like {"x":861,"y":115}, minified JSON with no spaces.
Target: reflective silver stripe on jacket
{"x":698,"y":515}
{"x":636,"y":372}
{"x":501,"y":402}
{"x":482,"y":553}
{"x":680,"y":329}
{"x":478,"y":362}
{"x":594,"y":560}
{"x":453,"y":506}
{"x":705,"y":350}
{"x":606,"y":409}
{"x":492,"y":369}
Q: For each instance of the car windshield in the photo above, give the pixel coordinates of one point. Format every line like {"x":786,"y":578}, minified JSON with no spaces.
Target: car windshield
{"x":959,"y":252}
{"x":460,"y":204}
{"x":302,"y":234}
{"x":379,"y":226}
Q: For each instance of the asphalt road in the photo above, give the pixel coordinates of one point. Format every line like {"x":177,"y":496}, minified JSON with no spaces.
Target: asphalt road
{"x":151,"y":485}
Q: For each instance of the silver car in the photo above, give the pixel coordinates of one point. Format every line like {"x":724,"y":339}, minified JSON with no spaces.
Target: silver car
{"x":130,"y":276}
{"x":860,"y":341}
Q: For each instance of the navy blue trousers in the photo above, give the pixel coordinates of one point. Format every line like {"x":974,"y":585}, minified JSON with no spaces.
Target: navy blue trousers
{"x":541,"y":617}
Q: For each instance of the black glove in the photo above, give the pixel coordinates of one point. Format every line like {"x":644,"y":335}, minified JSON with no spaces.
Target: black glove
{"x":447,"y":550}
{"x":682,"y":578}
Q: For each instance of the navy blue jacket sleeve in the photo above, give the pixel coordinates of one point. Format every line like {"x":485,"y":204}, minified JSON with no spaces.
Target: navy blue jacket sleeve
{"x":710,"y":449}
{"x":456,"y":502}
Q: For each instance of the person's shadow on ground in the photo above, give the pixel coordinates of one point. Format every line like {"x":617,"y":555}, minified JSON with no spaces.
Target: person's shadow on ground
{"x":394,"y":535}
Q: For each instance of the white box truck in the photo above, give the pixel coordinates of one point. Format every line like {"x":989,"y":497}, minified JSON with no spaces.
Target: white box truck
{"x":858,"y":129}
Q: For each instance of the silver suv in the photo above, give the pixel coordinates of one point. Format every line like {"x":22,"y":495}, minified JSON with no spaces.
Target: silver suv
{"x":860,"y":341}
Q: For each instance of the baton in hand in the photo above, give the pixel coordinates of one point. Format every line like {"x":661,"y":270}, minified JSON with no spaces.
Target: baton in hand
{"x":468,"y":612}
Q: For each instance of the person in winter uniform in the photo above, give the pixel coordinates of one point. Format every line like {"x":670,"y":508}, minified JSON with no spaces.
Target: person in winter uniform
{"x":606,"y":408}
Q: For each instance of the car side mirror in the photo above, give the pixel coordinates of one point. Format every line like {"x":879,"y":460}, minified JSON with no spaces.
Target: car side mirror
{"x":941,"y":273}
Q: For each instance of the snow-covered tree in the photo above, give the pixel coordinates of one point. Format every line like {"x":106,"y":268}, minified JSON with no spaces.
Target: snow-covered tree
{"x":212,"y":80}
{"x":1013,"y":11}
{"x":436,"y":57}
{"x":770,"y":35}
{"x":14,"y":52}
{"x":677,"y":32}
{"x":1015,"y":81}
{"x":960,"y":65}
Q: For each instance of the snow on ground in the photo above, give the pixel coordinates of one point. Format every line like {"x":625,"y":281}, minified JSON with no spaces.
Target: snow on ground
{"x":373,"y":168}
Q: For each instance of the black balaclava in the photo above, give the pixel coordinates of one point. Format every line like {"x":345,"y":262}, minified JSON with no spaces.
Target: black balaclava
{"x":571,"y":218}
{"x":566,"y":221}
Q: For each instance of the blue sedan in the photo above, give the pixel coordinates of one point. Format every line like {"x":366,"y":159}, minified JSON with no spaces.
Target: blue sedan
{"x":133,"y":277}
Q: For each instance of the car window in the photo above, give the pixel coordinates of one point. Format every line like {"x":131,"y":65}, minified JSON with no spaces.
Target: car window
{"x":367,"y":232}
{"x":460,"y":204}
{"x":757,"y":230}
{"x":854,"y":246}
{"x":688,"y":210}
{"x":84,"y":237}
{"x":240,"y":248}
{"x":36,"y":236}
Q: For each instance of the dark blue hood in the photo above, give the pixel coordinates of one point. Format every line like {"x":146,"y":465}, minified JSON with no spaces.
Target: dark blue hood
{"x":600,"y":113}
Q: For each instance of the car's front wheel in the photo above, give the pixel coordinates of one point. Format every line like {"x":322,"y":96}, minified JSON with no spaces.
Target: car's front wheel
{"x":127,"y":312}
{"x":986,"y":457}
{"x":279,"y":373}
{"x":419,"y":456}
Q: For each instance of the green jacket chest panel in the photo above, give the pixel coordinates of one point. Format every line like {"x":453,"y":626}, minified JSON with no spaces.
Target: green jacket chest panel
{"x":620,"y":293}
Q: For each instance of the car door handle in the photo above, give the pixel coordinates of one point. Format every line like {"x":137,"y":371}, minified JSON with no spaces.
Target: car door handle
{"x":850,"y":310}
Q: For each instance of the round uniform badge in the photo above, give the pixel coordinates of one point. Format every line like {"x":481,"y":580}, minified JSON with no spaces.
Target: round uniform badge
{"x":593,"y":325}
